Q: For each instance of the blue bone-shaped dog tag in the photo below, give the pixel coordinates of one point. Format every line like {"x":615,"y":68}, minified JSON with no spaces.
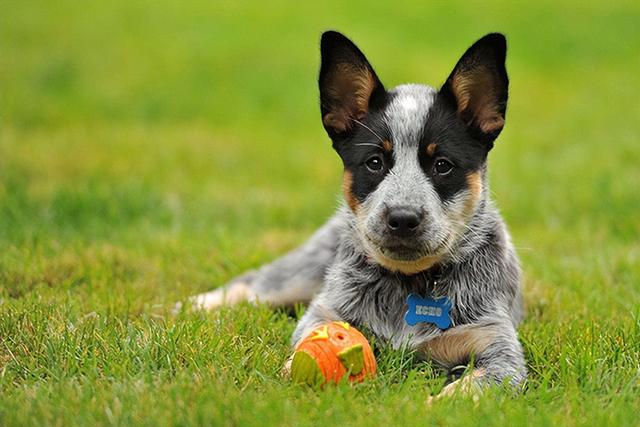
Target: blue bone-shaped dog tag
{"x":428,"y":310}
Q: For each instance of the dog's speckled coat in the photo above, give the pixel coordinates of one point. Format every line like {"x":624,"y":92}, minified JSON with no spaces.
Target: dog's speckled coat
{"x":354,"y":269}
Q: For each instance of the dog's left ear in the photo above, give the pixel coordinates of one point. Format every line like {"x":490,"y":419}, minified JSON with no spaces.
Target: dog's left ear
{"x":478,"y":88}
{"x":349,"y":88}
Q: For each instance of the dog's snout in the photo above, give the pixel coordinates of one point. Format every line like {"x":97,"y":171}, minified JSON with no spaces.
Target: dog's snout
{"x":403,"y":221}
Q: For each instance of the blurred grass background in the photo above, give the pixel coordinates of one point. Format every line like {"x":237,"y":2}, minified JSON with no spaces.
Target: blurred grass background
{"x":152,"y":150}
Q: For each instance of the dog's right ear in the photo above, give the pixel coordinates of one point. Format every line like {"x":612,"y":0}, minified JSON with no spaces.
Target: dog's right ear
{"x":349,"y":88}
{"x":478,"y":88}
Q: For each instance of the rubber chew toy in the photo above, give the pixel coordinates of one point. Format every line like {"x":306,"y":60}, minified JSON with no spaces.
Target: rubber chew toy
{"x":330,"y":352}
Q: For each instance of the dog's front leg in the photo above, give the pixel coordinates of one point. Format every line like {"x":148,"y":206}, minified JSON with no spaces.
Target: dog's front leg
{"x":493,"y":347}
{"x":503,"y":359}
{"x":293,"y":278}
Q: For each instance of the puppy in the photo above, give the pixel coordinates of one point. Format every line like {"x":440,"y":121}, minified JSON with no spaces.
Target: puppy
{"x":418,"y":254}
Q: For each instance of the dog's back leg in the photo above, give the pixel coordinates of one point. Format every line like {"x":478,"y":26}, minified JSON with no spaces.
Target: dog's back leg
{"x":295,"y":277}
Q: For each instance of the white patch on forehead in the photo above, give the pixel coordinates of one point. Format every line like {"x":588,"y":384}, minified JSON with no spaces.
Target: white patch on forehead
{"x":409,"y":103}
{"x":407,"y":113}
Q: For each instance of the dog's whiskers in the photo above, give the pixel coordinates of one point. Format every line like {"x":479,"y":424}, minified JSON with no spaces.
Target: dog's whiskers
{"x":368,"y":143}
{"x":369,"y":129}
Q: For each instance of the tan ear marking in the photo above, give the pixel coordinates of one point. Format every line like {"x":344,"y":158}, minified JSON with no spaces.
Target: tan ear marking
{"x":362,"y":83}
{"x":336,"y":121}
{"x":491,"y":123}
{"x":477,"y":100}
{"x":348,"y":88}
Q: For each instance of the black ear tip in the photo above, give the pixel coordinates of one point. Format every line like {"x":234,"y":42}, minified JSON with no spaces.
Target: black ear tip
{"x":496,"y":37}
{"x":330,"y":38}
{"x":335,"y":45}
{"x":331,"y":34}
{"x":494,"y":41}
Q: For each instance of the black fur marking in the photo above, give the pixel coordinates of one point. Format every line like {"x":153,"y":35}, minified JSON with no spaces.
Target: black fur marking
{"x":453,"y":143}
{"x":458,"y":132}
{"x":361,"y":146}
{"x":361,"y":140}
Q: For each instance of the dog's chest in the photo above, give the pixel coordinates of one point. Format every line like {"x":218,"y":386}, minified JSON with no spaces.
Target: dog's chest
{"x":382,"y":306}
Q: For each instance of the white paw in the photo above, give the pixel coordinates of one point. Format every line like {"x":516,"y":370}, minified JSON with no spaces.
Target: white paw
{"x":465,"y":386}
{"x":231,"y":295}
{"x":286,"y":368}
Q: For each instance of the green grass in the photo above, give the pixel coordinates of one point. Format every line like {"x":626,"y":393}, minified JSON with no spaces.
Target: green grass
{"x":152,"y":150}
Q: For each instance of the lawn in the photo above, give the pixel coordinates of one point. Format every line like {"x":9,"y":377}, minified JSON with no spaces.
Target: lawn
{"x":150,"y":150}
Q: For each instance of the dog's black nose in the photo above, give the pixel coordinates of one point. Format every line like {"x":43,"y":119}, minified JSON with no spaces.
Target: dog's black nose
{"x":402,"y":221}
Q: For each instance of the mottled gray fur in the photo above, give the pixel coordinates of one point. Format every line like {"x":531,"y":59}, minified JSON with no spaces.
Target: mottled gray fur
{"x":479,"y":268}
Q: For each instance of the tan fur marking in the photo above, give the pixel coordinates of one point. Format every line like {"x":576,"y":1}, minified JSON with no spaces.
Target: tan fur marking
{"x":474,"y":182}
{"x":405,"y":267}
{"x":431,"y":148}
{"x":347,"y":182}
{"x":491,"y":122}
{"x":476,"y":99}
{"x":364,"y":84}
{"x":351,"y":87}
{"x":456,"y":345}
{"x":387,"y":146}
{"x":336,"y":121}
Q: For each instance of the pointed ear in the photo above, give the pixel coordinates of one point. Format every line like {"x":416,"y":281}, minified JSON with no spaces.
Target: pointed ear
{"x":349,"y":88}
{"x":478,"y":88}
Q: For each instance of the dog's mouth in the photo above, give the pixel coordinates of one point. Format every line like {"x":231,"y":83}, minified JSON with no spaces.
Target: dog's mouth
{"x":402,"y":252}
{"x":403,"y":258}
{"x":399,"y":250}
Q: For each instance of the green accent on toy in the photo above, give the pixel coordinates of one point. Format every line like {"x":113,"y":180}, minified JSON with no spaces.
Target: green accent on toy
{"x":305,"y":370}
{"x":353,"y":358}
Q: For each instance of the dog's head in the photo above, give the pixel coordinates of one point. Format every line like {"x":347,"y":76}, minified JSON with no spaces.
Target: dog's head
{"x":414,"y":157}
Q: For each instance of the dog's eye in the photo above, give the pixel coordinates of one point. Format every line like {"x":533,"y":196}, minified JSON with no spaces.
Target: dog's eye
{"x":442,"y":167}
{"x":374,"y":163}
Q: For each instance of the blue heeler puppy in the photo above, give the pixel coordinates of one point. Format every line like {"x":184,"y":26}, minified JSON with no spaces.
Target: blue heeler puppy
{"x":417,"y":221}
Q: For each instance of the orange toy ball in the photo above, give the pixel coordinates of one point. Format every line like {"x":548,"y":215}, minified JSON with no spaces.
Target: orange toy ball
{"x":330,"y":352}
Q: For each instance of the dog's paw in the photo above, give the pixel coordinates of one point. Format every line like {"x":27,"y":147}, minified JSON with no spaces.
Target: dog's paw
{"x":235,"y":292}
{"x":177,"y":308}
{"x":469,"y":386}
{"x":217,"y":298}
{"x":285,"y":372}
